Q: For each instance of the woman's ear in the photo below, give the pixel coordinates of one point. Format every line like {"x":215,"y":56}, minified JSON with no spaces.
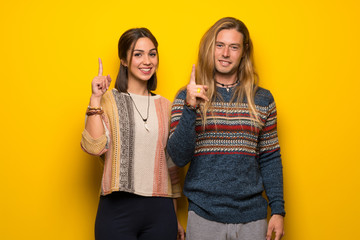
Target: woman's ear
{"x":123,"y":62}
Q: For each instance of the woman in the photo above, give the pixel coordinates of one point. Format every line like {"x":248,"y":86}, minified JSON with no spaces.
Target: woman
{"x":128,"y":128}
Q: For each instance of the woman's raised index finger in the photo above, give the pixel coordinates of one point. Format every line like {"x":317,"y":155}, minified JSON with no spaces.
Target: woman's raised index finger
{"x":100,"y":68}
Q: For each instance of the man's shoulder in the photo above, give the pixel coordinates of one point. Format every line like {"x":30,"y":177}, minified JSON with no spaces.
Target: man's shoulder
{"x":181,"y":94}
{"x":263,"y":97}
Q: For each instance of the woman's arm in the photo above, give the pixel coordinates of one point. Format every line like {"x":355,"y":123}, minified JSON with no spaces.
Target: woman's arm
{"x":94,"y":124}
{"x":99,"y":86}
{"x":93,"y":138}
{"x":181,"y":231}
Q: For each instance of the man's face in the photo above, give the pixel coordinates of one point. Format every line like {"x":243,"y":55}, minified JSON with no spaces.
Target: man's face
{"x":228,"y":51}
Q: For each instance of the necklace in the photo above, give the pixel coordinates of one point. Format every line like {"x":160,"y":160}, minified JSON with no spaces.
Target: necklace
{"x":147,"y":112}
{"x":228,"y":86}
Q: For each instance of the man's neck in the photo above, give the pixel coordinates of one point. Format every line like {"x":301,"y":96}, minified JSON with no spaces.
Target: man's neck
{"x":225,"y":79}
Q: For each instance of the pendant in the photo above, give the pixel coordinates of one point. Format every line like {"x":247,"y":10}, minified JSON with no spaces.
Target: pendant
{"x":146,"y":126}
{"x":227,"y":89}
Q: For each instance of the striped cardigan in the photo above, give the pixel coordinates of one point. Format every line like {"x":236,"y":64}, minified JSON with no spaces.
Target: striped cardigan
{"x":134,"y":159}
{"x":232,"y":161}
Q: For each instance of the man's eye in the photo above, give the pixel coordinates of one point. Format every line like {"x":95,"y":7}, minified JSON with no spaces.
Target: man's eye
{"x":219,"y":45}
{"x":234,"y":47}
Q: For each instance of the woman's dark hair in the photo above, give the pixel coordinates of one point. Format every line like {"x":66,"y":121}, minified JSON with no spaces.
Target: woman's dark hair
{"x":128,"y":40}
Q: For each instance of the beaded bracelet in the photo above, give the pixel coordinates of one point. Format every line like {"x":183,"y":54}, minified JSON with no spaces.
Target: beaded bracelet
{"x":191,"y":107}
{"x":94,"y":108}
{"x":94,"y":112}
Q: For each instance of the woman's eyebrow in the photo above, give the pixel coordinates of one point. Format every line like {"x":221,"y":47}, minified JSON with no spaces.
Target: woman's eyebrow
{"x":140,"y":50}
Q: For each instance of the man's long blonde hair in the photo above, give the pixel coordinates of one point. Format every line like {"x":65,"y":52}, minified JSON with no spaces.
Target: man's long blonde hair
{"x":246,"y":73}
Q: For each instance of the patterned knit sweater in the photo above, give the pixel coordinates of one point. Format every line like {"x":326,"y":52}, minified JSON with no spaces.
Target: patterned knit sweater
{"x":134,"y":159}
{"x":231,"y":161}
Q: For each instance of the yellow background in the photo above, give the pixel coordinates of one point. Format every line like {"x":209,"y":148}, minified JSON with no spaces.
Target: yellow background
{"x":306,"y":53}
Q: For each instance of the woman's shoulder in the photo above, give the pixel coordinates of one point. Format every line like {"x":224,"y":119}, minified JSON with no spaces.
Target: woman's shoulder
{"x":162,"y":99}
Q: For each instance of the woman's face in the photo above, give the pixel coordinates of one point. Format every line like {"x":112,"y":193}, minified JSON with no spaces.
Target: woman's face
{"x":144,"y":60}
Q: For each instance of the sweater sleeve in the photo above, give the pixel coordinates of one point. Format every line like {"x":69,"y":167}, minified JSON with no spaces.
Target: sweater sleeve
{"x":181,"y":144}
{"x":270,"y":161}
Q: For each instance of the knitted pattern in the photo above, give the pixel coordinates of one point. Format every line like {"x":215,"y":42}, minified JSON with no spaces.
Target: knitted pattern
{"x":232,"y":160}
{"x":134,"y":158}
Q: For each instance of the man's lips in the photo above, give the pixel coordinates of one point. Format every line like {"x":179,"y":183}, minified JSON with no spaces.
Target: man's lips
{"x":224,"y":63}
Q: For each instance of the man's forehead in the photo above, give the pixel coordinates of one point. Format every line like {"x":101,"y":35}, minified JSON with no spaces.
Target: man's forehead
{"x":229,"y":42}
{"x":229,"y":36}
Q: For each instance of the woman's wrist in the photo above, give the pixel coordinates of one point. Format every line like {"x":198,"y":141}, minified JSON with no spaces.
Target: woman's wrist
{"x":94,"y":107}
{"x":95,"y":101}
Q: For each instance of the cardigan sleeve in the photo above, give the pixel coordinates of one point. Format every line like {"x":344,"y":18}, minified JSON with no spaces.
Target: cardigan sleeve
{"x":93,"y":146}
{"x":174,"y":177}
{"x":181,"y":144}
{"x":270,"y":161}
{"x":96,"y":146}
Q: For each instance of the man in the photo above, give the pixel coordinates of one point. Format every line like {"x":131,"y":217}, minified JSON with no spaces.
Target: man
{"x":225,"y":126}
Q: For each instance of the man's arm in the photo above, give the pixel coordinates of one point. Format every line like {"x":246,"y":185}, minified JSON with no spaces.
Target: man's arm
{"x":276,"y":226}
{"x":270,"y":161}
{"x":181,"y":143}
{"x":271,"y":171}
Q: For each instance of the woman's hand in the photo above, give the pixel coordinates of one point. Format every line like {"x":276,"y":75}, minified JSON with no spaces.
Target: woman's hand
{"x":100,"y":83}
{"x":181,"y":232}
{"x":195,"y":94}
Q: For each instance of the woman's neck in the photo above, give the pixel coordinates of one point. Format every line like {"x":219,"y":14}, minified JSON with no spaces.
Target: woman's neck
{"x":138,"y":87}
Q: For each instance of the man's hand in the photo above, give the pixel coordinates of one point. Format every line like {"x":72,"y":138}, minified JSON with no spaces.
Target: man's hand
{"x":195,"y":93}
{"x":276,"y":225}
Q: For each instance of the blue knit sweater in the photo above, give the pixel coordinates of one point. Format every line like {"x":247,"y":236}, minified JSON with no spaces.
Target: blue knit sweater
{"x":232,"y":161}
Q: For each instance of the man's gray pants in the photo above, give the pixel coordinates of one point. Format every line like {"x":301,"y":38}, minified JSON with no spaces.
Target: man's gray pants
{"x":199,"y":228}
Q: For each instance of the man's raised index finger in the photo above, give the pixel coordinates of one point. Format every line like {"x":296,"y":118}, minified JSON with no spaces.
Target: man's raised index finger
{"x":100,"y":68}
{"x":192,"y":76}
